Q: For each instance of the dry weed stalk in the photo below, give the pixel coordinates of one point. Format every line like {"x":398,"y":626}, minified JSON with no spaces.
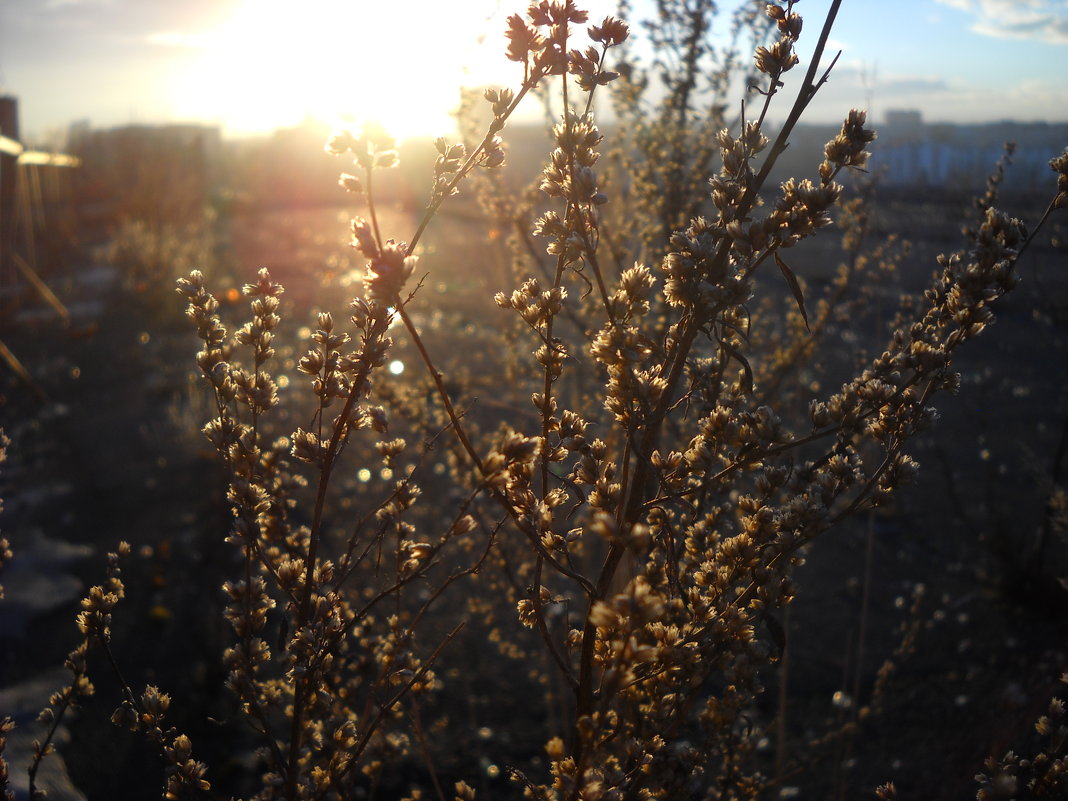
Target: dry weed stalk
{"x":664,"y":509}
{"x":631,"y":541}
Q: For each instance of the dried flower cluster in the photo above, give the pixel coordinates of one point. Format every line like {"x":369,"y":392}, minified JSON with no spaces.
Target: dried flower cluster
{"x":1045,"y":775}
{"x":184,"y":775}
{"x":629,"y":537}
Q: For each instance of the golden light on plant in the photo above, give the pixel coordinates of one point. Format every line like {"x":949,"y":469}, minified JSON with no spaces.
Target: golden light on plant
{"x":635,"y":455}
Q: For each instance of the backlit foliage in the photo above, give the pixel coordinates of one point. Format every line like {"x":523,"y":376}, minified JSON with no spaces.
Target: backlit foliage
{"x":625,"y":542}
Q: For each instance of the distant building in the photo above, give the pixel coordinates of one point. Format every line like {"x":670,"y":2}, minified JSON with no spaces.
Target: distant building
{"x":202,"y":142}
{"x":156,"y":173}
{"x":960,"y":157}
{"x":943,"y":156}
{"x":903,"y":124}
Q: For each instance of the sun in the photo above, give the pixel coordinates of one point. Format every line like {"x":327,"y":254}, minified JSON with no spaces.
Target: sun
{"x":400,"y":63}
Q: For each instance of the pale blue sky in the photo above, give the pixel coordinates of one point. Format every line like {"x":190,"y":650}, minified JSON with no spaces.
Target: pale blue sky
{"x":256,"y":64}
{"x":955,"y":60}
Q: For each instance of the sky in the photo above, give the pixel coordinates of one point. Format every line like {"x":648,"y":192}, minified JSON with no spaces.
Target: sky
{"x":254,"y":65}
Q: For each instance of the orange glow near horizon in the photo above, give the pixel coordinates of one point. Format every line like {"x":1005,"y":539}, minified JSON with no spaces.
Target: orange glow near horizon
{"x":401,"y":64}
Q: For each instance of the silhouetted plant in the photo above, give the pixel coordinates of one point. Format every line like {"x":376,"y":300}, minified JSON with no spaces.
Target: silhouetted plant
{"x":629,"y":538}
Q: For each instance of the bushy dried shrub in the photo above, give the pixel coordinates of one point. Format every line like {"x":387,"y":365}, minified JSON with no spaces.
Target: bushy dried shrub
{"x":622,"y":540}
{"x":150,"y":255}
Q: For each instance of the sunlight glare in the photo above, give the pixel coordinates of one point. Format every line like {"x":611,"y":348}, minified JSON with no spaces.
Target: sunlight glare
{"x":399,"y":64}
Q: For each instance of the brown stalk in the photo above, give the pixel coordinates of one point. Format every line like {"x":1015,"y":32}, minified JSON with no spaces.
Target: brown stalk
{"x":372,"y":726}
{"x":529,"y":83}
{"x":633,"y":502}
{"x":300,"y":690}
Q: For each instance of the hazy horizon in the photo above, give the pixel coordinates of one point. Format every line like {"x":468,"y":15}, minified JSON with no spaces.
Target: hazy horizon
{"x":254,"y":66}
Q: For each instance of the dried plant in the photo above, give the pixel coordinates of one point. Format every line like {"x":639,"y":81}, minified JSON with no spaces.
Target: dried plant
{"x":1045,"y":775}
{"x":628,"y":539}
{"x":152,"y":255}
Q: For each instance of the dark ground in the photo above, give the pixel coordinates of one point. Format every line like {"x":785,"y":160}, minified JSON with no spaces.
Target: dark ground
{"x":114,"y":454}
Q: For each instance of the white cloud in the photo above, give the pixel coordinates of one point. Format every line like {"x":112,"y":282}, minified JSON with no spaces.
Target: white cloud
{"x":1044,"y":20}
